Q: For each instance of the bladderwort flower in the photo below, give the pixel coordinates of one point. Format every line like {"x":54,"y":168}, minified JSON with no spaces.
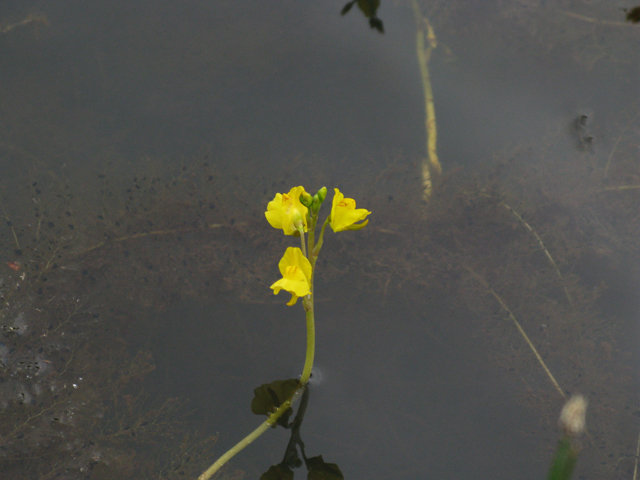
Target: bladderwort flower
{"x":287,"y":213}
{"x":296,"y":275}
{"x":296,"y":213}
{"x":344,"y":214}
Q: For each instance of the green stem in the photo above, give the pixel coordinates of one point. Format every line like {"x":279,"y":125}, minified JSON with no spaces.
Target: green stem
{"x":304,"y":250}
{"x":316,"y":249}
{"x":311,"y":342}
{"x":312,"y":237}
{"x":308,"y":302}
{"x":272,"y":419}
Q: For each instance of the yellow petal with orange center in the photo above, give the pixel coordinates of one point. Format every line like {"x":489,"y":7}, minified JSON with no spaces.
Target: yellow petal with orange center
{"x":296,"y":275}
{"x":283,"y":211}
{"x":345,"y":215}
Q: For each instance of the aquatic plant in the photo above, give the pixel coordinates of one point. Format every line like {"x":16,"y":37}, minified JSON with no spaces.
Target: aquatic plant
{"x":296,"y":213}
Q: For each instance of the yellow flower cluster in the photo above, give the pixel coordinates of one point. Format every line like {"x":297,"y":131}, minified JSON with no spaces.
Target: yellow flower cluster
{"x":288,"y":213}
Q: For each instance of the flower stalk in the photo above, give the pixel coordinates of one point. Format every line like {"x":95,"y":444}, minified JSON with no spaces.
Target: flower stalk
{"x":311,"y":341}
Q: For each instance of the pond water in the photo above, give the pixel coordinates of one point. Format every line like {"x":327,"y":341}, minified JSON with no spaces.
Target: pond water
{"x":140,"y":143}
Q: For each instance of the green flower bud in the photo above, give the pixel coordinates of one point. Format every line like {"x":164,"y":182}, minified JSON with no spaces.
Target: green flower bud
{"x":306,"y":199}
{"x":322,"y":194}
{"x":315,"y":205}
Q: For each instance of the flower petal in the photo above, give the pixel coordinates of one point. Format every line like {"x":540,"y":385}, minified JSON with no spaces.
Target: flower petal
{"x":294,"y":256}
{"x":274,"y":212}
{"x":295,"y":269}
{"x":294,"y":299}
{"x":284,"y":209}
{"x":344,"y":213}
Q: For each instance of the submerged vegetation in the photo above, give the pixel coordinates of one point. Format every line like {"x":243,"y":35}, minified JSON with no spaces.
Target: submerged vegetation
{"x":73,"y":386}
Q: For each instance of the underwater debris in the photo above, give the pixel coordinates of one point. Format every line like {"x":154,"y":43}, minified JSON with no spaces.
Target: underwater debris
{"x":30,"y":19}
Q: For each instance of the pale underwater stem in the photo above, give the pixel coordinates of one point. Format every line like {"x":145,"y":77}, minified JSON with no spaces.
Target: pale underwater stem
{"x":503,"y":304}
{"x":425,"y":43}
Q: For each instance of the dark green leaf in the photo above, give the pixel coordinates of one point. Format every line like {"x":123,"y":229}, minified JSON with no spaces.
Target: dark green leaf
{"x":347,"y":7}
{"x":633,"y":15}
{"x":369,"y":7}
{"x":376,"y":23}
{"x":269,"y":396}
{"x":277,"y":472}
{"x":319,"y":470}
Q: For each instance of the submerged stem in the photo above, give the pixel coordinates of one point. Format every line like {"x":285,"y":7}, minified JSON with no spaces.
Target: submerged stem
{"x":425,"y":43}
{"x":544,"y":249}
{"x":519,"y":327}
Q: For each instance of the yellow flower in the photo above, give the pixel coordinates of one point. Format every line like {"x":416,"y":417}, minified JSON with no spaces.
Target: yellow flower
{"x":296,"y":275}
{"x":344,"y":214}
{"x":285,"y":211}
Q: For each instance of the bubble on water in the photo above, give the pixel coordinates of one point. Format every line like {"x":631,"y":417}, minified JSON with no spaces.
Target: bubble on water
{"x":316,"y":377}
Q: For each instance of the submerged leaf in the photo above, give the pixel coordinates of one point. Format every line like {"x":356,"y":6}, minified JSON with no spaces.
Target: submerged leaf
{"x":319,"y":470}
{"x":375,"y":22}
{"x":633,"y":15}
{"x":369,"y":7}
{"x":347,"y":7}
{"x":269,"y":396}
{"x":277,"y":472}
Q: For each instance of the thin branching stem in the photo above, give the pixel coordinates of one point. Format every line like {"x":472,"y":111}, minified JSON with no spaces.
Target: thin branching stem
{"x":544,"y":249}
{"x":503,"y":304}
{"x":10,"y":224}
{"x":615,"y":145}
{"x":635,"y":467}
